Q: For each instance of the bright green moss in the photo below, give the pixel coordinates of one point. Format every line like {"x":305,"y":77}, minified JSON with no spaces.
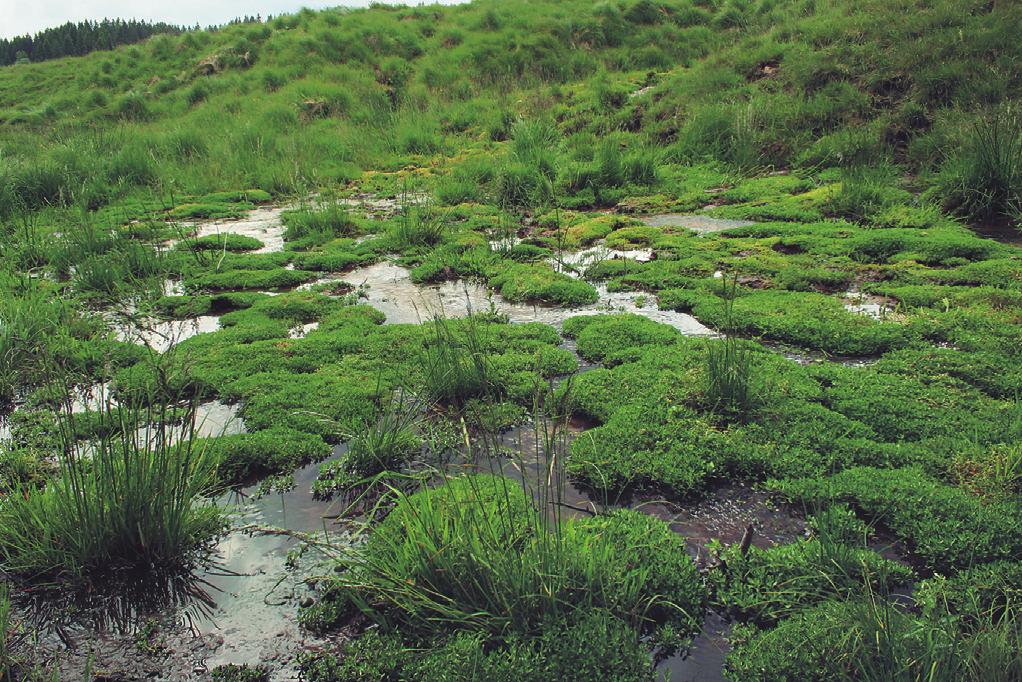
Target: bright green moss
{"x":832,"y":641}
{"x":947,"y":528}
{"x":540,"y":283}
{"x":765,"y":585}
{"x":268,"y":280}
{"x":226,"y":241}
{"x":242,"y":458}
{"x":642,"y":448}
{"x":598,"y":336}
{"x":805,"y":319}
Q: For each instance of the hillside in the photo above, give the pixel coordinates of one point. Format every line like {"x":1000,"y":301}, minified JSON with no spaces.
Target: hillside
{"x":314,"y":99}
{"x":518,"y":340}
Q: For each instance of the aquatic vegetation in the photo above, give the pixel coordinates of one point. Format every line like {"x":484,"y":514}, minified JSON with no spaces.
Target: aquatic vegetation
{"x":763,"y":586}
{"x":729,"y":366}
{"x":418,"y":226}
{"x":614,"y":652}
{"x":835,"y":640}
{"x":245,"y":457}
{"x":255,"y":280}
{"x":222,"y":242}
{"x":474,"y":553}
{"x":7,"y":631}
{"x":319,"y":224}
{"x":373,"y":448}
{"x":455,"y":367}
{"x":977,"y":596}
{"x":542,"y":284}
{"x":642,"y":447}
{"x":38,"y":329}
{"x":806,"y":319}
{"x":131,"y":499}
{"x":600,"y":338}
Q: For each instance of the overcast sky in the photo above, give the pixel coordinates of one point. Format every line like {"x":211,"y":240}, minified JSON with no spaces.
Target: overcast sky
{"x":18,"y":17}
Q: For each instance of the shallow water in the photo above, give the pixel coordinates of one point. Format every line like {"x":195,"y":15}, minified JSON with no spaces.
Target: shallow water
{"x":255,"y":593}
{"x":876,"y":307}
{"x":726,"y":515}
{"x":576,"y":262}
{"x":161,"y":336}
{"x":392,"y":292}
{"x":699,"y":224}
{"x":241,"y":607}
{"x":809,"y":357}
{"x":704,"y":661}
{"x":1002,"y":230}
{"x":264,"y":223}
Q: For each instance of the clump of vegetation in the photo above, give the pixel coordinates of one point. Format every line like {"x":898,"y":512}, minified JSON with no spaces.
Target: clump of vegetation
{"x":504,"y":569}
{"x":373,"y":448}
{"x":132,"y":499}
{"x":541,"y":283}
{"x":729,"y":365}
{"x":983,"y":177}
{"x":946,"y":527}
{"x":223,"y":242}
{"x":245,"y":457}
{"x":418,"y":226}
{"x":764,"y":586}
{"x":320,"y":224}
{"x":455,"y":366}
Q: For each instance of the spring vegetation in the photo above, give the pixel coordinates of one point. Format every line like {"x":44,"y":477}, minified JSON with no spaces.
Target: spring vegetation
{"x":865,"y":366}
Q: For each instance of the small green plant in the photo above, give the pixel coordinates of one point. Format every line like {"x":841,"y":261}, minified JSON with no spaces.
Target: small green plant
{"x":374,"y":448}
{"x":454,"y":364}
{"x":147,"y":639}
{"x":419,"y":225}
{"x":729,"y":365}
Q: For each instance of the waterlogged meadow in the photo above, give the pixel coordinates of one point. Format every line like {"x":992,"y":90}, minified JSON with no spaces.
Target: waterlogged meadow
{"x":541,"y":340}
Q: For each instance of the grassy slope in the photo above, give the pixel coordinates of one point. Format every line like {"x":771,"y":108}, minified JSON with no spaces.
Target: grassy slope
{"x":328,"y":94}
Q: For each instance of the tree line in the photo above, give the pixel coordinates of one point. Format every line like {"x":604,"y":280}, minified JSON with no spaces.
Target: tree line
{"x":76,"y":39}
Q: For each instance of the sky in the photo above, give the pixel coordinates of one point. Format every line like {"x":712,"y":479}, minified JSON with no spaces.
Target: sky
{"x":18,"y":17}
